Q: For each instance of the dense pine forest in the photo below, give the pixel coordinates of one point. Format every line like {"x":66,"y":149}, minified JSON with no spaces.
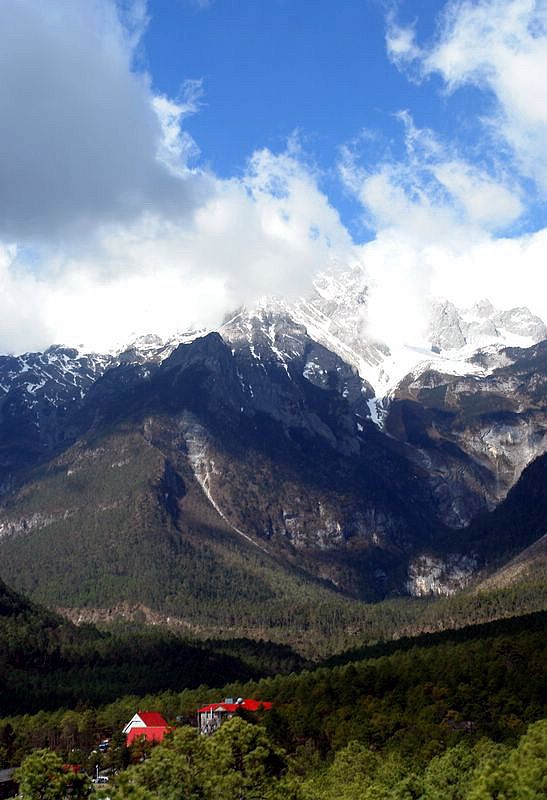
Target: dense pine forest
{"x":433,"y":699}
{"x":449,"y":715}
{"x":46,"y":662}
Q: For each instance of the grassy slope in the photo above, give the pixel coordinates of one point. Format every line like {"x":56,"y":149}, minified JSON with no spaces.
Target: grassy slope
{"x":529,"y":565}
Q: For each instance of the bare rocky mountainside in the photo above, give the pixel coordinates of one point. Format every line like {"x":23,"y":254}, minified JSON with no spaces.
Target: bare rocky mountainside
{"x":286,"y":458}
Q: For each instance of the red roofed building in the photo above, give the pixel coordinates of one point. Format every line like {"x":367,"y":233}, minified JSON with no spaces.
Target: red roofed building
{"x":212,"y":716}
{"x":149,"y":724}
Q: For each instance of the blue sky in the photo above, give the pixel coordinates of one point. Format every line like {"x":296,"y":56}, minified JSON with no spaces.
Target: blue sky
{"x":316,"y":68}
{"x":164,"y":161}
{"x":270,"y":68}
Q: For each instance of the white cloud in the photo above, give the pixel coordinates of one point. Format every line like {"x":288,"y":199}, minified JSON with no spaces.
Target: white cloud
{"x":483,"y":199}
{"x":23,"y":325}
{"x":499,"y":46}
{"x":177,"y":148}
{"x":510,"y":271}
{"x":266,"y":233}
{"x":401,"y":42}
{"x":437,"y":219}
{"x":80,"y":133}
{"x":431,"y":182}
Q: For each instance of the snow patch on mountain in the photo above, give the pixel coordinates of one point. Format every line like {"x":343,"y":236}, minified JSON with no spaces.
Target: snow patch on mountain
{"x":336,"y":315}
{"x":153,"y":348}
{"x":374,"y":404}
{"x":204,"y":470}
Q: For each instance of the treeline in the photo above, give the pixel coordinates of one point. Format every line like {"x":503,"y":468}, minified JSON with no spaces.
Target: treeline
{"x":415,"y":702}
{"x":242,"y":762}
{"x":47,"y":663}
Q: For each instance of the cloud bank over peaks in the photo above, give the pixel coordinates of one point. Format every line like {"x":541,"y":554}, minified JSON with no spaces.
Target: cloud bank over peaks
{"x":445,"y":223}
{"x":439,"y":222}
{"x":110,"y":227}
{"x":266,"y":233}
{"x":106,"y":228}
{"x":22,"y":300}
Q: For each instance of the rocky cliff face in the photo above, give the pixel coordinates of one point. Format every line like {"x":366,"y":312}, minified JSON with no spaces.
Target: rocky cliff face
{"x":432,"y":575}
{"x":451,"y":328}
{"x":260,"y":445}
{"x":474,"y":433}
{"x":270,"y":436}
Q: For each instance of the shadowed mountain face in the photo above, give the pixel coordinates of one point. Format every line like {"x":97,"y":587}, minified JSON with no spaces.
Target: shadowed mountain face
{"x":474,"y":433}
{"x":181,"y":463}
{"x":249,"y":472}
{"x":499,"y":548}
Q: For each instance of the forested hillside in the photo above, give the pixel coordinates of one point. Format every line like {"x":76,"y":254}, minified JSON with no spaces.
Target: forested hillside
{"x":436,"y":718}
{"x":46,"y":662}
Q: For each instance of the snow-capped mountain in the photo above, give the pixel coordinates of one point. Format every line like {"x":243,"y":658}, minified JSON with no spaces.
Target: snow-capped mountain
{"x":268,"y":338}
{"x":451,"y":328}
{"x":336,"y":315}
{"x":152,"y":348}
{"x":291,"y":428}
{"x":60,"y":377}
{"x":58,"y":374}
{"x":38,"y":391}
{"x":323,"y":338}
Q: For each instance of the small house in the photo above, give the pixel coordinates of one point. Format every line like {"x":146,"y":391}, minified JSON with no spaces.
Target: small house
{"x":212,"y":716}
{"x":150,"y":724}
